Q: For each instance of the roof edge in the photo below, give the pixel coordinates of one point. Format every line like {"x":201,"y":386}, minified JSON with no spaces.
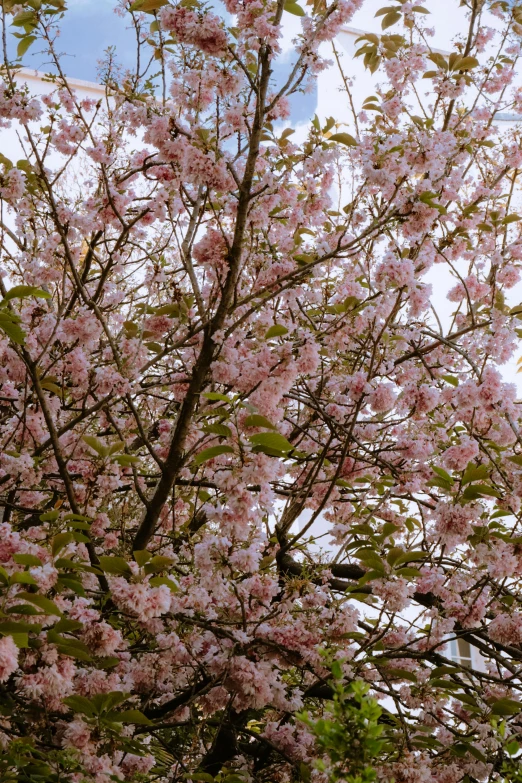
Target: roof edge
{"x":30,"y":73}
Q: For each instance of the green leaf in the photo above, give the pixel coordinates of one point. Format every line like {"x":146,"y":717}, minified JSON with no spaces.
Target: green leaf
{"x":27,"y":559}
{"x":80,"y":704}
{"x":77,"y":518}
{"x":442,"y":473}
{"x":448,"y":685}
{"x":506,"y":707}
{"x":408,"y":572}
{"x":147,"y":6}
{"x":23,"y":609}
{"x":385,"y":10}
{"x":22,"y":578}
{"x":343,"y":138}
{"x":404,"y":674}
{"x":20,"y":639}
{"x":408,"y":557}
{"x":74,"y":652}
{"x":390,"y":19}
{"x":158,"y":563}
{"x":104,"y":702}
{"x":68,"y":645}
{"x":67,"y":626}
{"x":113,"y":564}
{"x":9,"y":325}
{"x":475,"y":473}
{"x":211,"y":452}
{"x":218,"y":429}
{"x":277,"y":330}
{"x":271,"y":442}
{"x":116,"y":446}
{"x":49,"y":516}
{"x":465,"y":698}
{"x":155,"y":347}
{"x":371,"y":559}
{"x":25,"y":18}
{"x":337,"y":671}
{"x":465,"y":63}
{"x":157,"y":581}
{"x":129,"y":716}
{"x":43,"y":603}
{"x":451,"y":379}
{"x":474,"y":491}
{"x":52,"y":387}
{"x":125,"y":460}
{"x":141,"y":556}
{"x":10,"y":627}
{"x":107,"y":662}
{"x":257,"y":420}
{"x":60,"y":541}
{"x":394,"y":553}
{"x":293,"y":8}
{"x":215,"y":396}
{"x":77,"y":521}
{"x":71,"y":582}
{"x":23,"y":291}
{"x":25,"y":44}
{"x":96,"y":445}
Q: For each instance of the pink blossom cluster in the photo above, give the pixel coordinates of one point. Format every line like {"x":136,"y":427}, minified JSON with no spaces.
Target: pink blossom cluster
{"x":245,"y":462}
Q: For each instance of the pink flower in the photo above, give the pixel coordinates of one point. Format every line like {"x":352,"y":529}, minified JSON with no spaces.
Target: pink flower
{"x":452,"y":523}
{"x":457,"y":457}
{"x":141,"y":599}
{"x":382,"y":398}
{"x":77,"y":735}
{"x":395,"y":593}
{"x":203,"y":31}
{"x":8,"y":657}
{"x":103,"y":638}
{"x":506,"y":628}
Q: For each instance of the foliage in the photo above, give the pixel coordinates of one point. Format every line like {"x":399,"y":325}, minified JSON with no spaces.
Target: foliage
{"x":350,"y":735}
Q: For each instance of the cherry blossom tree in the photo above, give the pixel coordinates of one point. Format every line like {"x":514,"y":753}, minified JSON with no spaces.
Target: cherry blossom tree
{"x":217,"y":341}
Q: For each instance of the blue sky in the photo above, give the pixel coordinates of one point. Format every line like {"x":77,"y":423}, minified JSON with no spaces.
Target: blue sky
{"x":88,"y":28}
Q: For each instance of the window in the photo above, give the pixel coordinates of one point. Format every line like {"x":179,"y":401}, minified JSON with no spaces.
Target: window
{"x":460,"y":652}
{"x":465,"y":654}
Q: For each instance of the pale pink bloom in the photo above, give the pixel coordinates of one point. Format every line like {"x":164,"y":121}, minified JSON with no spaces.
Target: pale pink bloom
{"x":382,"y":398}
{"x":103,"y":638}
{"x":452,"y":523}
{"x":77,"y":735}
{"x":395,"y":593}
{"x":8,"y":657}
{"x":140,"y":599}
{"x":46,"y":576}
{"x":458,"y":456}
{"x":133,"y":764}
{"x":204,"y":31}
{"x":506,"y":628}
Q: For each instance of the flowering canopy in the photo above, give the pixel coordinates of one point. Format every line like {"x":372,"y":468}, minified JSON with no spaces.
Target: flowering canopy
{"x":214,"y":340}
